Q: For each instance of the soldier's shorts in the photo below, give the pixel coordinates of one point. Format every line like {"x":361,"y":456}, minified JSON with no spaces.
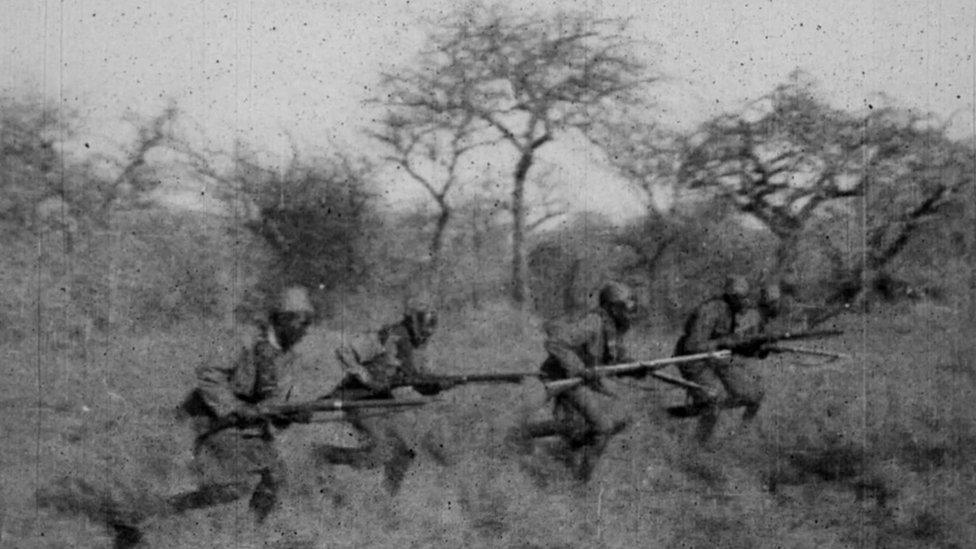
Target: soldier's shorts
{"x":739,"y":377}
{"x":579,"y":410}
{"x":237,"y":457}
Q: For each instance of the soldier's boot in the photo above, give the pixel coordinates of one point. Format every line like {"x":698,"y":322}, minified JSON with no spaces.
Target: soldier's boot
{"x":357,"y":458}
{"x":126,"y":536}
{"x":707,"y":420}
{"x":520,"y":438}
{"x":207,"y":496}
{"x":548,"y":428}
{"x":751,"y":409}
{"x":590,"y":457}
{"x":74,"y":495}
{"x":395,"y":469}
{"x":265,"y":496}
{"x":618,"y":427}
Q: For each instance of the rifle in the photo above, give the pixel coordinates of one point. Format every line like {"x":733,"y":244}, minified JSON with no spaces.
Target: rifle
{"x":451,"y":381}
{"x":756,"y":342}
{"x":805,"y":351}
{"x":302,"y":411}
{"x":828,"y":314}
{"x":650,"y":366}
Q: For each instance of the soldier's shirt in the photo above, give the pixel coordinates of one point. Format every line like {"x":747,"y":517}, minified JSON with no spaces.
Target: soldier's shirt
{"x":584,"y":342}
{"x":259,"y":373}
{"x":711,"y":320}
{"x":748,"y":322}
{"x":382,"y":360}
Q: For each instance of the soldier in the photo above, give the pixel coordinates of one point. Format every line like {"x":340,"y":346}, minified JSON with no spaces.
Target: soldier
{"x":228,"y":456}
{"x":375,"y":364}
{"x":771,"y":304}
{"x":228,"y":460}
{"x":575,"y":347}
{"x":713,"y":326}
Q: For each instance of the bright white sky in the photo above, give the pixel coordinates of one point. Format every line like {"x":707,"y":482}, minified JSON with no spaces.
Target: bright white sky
{"x":256,"y":68}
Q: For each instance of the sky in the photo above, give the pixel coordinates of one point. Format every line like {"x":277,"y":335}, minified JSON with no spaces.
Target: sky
{"x":262,"y":71}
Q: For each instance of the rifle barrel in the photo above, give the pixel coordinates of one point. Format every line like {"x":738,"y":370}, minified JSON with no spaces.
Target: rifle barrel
{"x":810,"y":334}
{"x":806,"y":351}
{"x":337,"y":405}
{"x":515,"y":377}
{"x":559,"y":385}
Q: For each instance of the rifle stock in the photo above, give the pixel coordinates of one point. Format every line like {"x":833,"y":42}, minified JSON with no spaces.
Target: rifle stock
{"x":289,"y":412}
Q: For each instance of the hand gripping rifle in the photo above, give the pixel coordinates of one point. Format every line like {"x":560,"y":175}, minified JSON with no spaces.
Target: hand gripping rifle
{"x":649,"y":367}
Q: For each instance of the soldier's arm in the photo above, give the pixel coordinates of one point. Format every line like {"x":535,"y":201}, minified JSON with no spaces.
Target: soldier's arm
{"x":563,"y":339}
{"x":699,"y":338}
{"x":359,"y":350}
{"x":417,"y":368}
{"x":213,"y":387}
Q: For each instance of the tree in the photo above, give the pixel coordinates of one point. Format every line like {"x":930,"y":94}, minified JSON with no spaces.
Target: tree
{"x":791,"y":159}
{"x":781,"y":162}
{"x":29,"y":157}
{"x":526,"y":79}
{"x":317,"y":216}
{"x":429,"y":147}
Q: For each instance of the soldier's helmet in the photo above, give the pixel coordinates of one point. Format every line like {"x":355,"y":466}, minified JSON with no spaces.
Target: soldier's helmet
{"x":421,"y":321}
{"x":771,"y":293}
{"x":617,"y":295}
{"x":295,"y":300}
{"x":736,"y":286}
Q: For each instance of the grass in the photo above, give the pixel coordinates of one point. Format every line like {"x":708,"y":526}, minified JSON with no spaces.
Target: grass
{"x":875,"y":451}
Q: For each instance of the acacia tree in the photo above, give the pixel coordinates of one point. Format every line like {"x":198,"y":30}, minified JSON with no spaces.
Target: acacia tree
{"x":429,"y":147}
{"x":526,"y":79}
{"x":791,"y":156}
{"x":781,"y":164}
{"x":317,"y":215}
{"x":37,"y":171}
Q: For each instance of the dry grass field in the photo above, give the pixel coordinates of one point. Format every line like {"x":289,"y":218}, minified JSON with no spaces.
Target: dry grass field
{"x":875,"y":451}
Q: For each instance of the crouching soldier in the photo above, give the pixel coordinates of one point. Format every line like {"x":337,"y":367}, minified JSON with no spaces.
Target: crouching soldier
{"x":229,"y":460}
{"x":374,"y":364}
{"x":715,"y":325}
{"x":575,"y":347}
{"x":234,"y":451}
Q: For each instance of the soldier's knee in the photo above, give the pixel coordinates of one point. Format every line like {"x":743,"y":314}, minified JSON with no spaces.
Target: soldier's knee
{"x":262,"y":502}
{"x":752,"y":408}
{"x":274,"y":476}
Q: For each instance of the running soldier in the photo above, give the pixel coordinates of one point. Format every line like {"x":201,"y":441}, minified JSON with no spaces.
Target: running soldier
{"x":234,"y":450}
{"x":575,"y":347}
{"x":715,"y":325}
{"x":228,"y":460}
{"x":375,"y":364}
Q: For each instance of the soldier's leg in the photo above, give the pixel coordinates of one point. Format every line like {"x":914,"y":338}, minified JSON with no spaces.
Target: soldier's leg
{"x":265,"y":495}
{"x":597,"y":428}
{"x":382,"y":447}
{"x":363,"y":456}
{"x":224,"y":470}
{"x":209,"y":495}
{"x":704,"y":405}
{"x":548,"y":428}
{"x":398,"y":458}
{"x":744,"y":386}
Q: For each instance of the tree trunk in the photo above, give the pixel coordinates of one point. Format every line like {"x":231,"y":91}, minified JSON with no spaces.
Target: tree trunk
{"x":435,"y":278}
{"x":785,"y":254}
{"x":437,"y":240}
{"x":518,"y":284}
